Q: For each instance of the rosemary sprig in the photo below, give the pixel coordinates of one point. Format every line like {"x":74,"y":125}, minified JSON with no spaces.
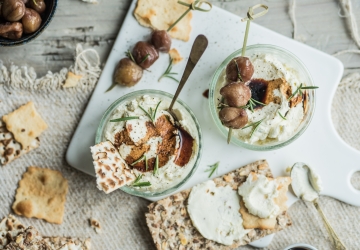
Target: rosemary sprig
{"x":128,"y":54}
{"x":255,"y":125}
{"x":299,"y":90}
{"x":212,"y":169}
{"x":251,"y":104}
{"x":139,"y":160}
{"x":137,"y":182}
{"x":144,"y":59}
{"x":168,"y":72}
{"x":156,"y":167}
{"x":238,"y":70}
{"x":34,"y":1}
{"x":281,"y":115}
{"x":124,"y":119}
{"x":151,"y":114}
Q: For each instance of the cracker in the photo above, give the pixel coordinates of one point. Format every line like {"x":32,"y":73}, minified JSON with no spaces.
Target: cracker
{"x":96,"y":225}
{"x":171,"y":227}
{"x":30,"y":239}
{"x":175,"y":55}
{"x":10,"y":227}
{"x":68,"y":243}
{"x":160,"y":15}
{"x":281,"y":85}
{"x":251,"y":221}
{"x":25,"y":124}
{"x":111,"y":170}
{"x":71,"y":80}
{"x":41,"y":194}
{"x":10,"y":149}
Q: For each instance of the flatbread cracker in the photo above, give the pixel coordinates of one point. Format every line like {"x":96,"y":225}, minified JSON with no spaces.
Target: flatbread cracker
{"x":175,"y":55}
{"x":71,"y":80}
{"x":67,"y":243}
{"x":25,"y":124}
{"x":10,"y":149}
{"x":171,"y":227}
{"x":251,"y":221}
{"x":41,"y":194}
{"x":160,"y":15}
{"x":111,"y":170}
{"x":10,"y":227}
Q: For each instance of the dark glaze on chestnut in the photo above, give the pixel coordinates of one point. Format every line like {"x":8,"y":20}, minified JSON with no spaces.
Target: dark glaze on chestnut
{"x":127,"y":73}
{"x":13,"y":10}
{"x":11,"y":30}
{"x":31,"y":21}
{"x":234,"y":118}
{"x":236,"y":94}
{"x":140,"y":52}
{"x":161,"y":40}
{"x":244,"y":67}
{"x":38,"y":5}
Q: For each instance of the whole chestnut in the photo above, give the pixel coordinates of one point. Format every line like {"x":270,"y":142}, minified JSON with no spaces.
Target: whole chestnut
{"x":239,"y":69}
{"x":145,"y":54}
{"x":127,"y":73}
{"x":161,"y":40}
{"x":31,"y":21}
{"x":236,"y":94}
{"x":11,"y":30}
{"x":233,"y":117}
{"x":38,"y":5}
{"x":13,"y":10}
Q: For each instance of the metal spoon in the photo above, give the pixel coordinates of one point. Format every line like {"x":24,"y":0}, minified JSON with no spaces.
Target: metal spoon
{"x":313,"y":197}
{"x":197,"y":50}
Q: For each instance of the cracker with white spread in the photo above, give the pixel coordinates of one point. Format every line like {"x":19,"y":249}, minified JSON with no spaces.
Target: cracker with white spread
{"x":171,"y":226}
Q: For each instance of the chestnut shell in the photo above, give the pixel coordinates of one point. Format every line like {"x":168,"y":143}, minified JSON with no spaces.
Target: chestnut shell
{"x":127,"y":73}
{"x":161,"y":40}
{"x":144,"y":50}
{"x":236,"y":94}
{"x":244,"y":67}
{"x":234,"y":118}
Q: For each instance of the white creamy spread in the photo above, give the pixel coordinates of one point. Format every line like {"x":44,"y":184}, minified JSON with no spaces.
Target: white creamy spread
{"x":214,"y":211}
{"x":170,"y":174}
{"x":258,"y":193}
{"x":273,"y":127}
{"x":305,"y":183}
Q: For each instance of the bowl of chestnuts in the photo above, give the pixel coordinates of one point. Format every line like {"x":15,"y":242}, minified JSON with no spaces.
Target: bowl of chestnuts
{"x":23,"y":20}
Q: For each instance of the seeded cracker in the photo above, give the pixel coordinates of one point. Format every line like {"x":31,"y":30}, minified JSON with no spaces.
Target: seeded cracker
{"x":25,"y":124}
{"x":41,"y":194}
{"x":171,"y":227}
{"x":10,"y":227}
{"x":10,"y":149}
{"x":160,"y":15}
{"x":111,"y":170}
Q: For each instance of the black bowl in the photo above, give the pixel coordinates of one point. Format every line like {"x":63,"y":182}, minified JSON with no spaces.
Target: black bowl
{"x":46,"y":18}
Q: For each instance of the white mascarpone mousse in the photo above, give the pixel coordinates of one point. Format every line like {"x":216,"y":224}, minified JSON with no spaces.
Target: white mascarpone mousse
{"x":139,"y":133}
{"x":258,"y":194}
{"x":214,"y":211}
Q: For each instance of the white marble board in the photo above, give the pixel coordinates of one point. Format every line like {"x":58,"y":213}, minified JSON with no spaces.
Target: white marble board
{"x":320,"y":146}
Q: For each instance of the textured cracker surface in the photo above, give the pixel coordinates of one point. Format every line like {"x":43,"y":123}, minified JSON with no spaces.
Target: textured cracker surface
{"x":41,"y":194}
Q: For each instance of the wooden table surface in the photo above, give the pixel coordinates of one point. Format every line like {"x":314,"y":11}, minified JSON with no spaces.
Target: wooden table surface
{"x":319,"y":24}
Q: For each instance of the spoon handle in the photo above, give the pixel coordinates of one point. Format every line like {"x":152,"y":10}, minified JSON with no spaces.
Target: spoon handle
{"x":197,"y":50}
{"x":339,"y":245}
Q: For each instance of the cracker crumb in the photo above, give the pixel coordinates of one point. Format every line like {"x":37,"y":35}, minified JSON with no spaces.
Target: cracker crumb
{"x":96,"y":225}
{"x":71,"y":80}
{"x":175,"y":55}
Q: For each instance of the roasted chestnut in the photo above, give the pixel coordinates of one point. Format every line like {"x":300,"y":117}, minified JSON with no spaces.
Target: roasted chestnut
{"x":37,"y":5}
{"x":161,"y":40}
{"x":31,"y":21}
{"x":13,"y":10}
{"x":127,"y":73}
{"x":233,"y":117}
{"x":145,"y":54}
{"x":11,"y":30}
{"x":236,"y":94}
{"x":239,"y":69}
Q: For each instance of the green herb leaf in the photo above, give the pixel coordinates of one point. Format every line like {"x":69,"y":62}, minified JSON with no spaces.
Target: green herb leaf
{"x":111,"y":87}
{"x":144,"y":59}
{"x":263,"y":104}
{"x":125,"y":119}
{"x":138,"y":160}
{"x":298,"y":90}
{"x":255,"y":127}
{"x":212,"y":169}
{"x":154,"y":115}
{"x":146,"y":164}
{"x":147,"y":113}
{"x":281,"y":115}
{"x":168,"y":72}
{"x":128,"y":54}
{"x":137,"y":182}
{"x":238,"y":70}
{"x":156,"y":167}
{"x":310,"y":87}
